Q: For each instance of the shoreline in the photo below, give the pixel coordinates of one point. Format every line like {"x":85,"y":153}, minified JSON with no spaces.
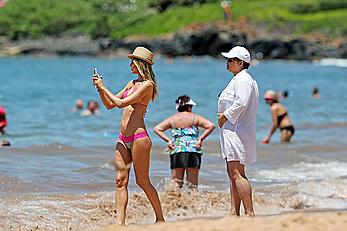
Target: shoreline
{"x":88,"y":204}
{"x":182,"y":210}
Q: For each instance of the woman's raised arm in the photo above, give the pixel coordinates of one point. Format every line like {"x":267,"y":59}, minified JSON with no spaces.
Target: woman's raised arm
{"x":145,"y":89}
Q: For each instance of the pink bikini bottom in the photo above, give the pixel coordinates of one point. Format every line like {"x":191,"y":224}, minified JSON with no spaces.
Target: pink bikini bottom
{"x":129,"y":139}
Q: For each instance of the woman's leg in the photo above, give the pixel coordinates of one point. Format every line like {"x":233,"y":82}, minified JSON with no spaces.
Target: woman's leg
{"x":286,"y":135}
{"x":141,"y":156}
{"x":192,"y":177}
{"x":177,"y":175}
{"x":122,"y":160}
{"x":242,"y":184}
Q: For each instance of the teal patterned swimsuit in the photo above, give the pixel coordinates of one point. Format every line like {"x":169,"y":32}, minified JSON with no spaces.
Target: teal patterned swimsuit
{"x":185,"y":139}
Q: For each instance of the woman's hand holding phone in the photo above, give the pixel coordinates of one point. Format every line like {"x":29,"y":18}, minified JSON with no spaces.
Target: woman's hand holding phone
{"x":97,"y":79}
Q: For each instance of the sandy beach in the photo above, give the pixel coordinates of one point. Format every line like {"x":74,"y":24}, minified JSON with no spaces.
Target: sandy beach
{"x":293,"y":221}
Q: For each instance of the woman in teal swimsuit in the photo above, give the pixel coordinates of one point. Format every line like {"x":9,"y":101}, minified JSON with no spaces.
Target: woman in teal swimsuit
{"x":185,"y":147}
{"x":134,"y":144}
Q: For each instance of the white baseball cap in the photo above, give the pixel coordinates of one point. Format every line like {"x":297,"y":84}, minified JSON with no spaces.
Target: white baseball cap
{"x":238,"y":52}
{"x":190,"y":102}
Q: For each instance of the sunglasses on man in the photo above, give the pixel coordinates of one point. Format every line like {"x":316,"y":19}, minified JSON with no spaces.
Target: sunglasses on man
{"x":229,"y":60}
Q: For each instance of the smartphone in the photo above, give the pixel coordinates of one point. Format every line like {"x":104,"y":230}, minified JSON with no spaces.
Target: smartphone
{"x":96,"y":73}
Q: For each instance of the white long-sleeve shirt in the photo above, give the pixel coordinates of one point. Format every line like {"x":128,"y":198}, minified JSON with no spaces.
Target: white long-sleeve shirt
{"x":239,"y":102}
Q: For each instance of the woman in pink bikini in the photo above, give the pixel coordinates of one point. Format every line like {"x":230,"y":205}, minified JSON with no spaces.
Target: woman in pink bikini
{"x":134,"y":144}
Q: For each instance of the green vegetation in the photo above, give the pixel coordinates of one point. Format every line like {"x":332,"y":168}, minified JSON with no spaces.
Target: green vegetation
{"x":121,"y":18}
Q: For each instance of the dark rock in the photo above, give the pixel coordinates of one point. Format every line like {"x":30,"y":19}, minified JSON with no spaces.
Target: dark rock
{"x":163,"y":5}
{"x":343,"y":51}
{"x":204,"y":41}
{"x":81,"y":45}
{"x":270,"y":48}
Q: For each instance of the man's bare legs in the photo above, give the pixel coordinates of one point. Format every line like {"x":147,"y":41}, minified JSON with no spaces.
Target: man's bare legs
{"x":234,"y":196}
{"x":242,"y":186}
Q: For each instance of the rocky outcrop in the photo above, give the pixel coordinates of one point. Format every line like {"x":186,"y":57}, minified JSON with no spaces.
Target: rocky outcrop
{"x":80,"y":45}
{"x":208,"y":40}
{"x":212,"y":41}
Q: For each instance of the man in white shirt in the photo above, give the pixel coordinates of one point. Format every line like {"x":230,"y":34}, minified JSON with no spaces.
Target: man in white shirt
{"x":237,"y":108}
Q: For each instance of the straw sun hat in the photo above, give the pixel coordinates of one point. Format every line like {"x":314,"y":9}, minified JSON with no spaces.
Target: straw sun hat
{"x":143,"y":54}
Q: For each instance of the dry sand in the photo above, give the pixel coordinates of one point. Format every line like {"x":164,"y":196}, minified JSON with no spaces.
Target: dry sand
{"x":294,"y":221}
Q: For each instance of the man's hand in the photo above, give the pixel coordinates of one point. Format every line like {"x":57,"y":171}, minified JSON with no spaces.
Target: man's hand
{"x":221,"y":119}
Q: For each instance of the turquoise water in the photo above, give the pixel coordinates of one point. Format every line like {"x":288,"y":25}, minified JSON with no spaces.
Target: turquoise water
{"x":39,"y":93}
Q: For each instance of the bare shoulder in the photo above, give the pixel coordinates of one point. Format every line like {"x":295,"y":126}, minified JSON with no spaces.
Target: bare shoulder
{"x":275,"y":107}
{"x":147,"y":84}
{"x":176,"y":115}
{"x":198,"y":117}
{"x":167,"y":122}
{"x":171,"y":118}
{"x":201,"y":119}
{"x":180,"y":116}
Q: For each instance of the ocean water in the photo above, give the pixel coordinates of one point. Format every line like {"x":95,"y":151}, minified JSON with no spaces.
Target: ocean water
{"x":39,"y":93}
{"x":60,"y":165}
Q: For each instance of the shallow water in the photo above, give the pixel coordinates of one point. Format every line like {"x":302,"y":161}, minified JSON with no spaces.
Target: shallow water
{"x":39,"y":94}
{"x":59,"y":172}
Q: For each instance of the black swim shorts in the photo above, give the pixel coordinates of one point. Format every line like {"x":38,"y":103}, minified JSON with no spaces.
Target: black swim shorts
{"x":185,"y":160}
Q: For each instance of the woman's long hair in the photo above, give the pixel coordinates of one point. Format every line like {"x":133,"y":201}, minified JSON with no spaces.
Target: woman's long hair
{"x":146,"y":72}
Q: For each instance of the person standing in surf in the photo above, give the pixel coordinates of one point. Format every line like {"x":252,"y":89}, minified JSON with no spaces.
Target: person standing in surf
{"x":237,"y":108}
{"x":133,"y":144}
{"x":185,"y":145}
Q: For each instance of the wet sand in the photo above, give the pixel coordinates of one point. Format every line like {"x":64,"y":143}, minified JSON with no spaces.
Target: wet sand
{"x":294,"y":221}
{"x":96,"y":210}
